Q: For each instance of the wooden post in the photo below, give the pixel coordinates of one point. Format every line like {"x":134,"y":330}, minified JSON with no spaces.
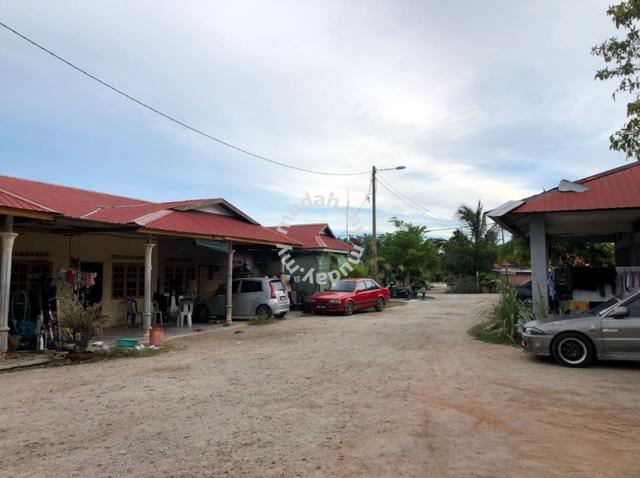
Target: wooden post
{"x":229,"y":306}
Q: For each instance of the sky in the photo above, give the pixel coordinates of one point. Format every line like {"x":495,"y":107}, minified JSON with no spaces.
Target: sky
{"x":490,"y":101}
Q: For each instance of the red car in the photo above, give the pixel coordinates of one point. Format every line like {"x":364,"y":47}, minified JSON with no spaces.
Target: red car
{"x":347,"y":295}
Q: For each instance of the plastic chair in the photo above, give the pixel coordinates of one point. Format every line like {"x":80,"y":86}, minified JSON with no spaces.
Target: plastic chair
{"x":131,"y":312}
{"x":156,"y":312}
{"x":173,"y":307}
{"x":186,"y":311}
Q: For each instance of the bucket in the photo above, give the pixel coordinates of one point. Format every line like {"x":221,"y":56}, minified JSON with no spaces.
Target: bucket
{"x":156,"y":336}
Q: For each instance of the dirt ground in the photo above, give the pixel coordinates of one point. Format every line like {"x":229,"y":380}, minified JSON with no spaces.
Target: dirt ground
{"x":405,"y":392}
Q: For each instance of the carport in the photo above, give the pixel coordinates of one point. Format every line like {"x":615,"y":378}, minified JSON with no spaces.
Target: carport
{"x":600,"y":208}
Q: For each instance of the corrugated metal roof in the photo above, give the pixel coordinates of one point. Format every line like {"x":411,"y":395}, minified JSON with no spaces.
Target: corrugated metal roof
{"x":200,"y":223}
{"x":14,"y":201}
{"x":315,"y":236}
{"x":99,"y":207}
{"x":71,"y":202}
{"x":617,"y":188}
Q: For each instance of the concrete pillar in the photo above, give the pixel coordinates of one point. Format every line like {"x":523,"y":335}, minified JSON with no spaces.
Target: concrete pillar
{"x":148,"y":268}
{"x":8,"y":238}
{"x":538,"y":240}
{"x":229,"y":306}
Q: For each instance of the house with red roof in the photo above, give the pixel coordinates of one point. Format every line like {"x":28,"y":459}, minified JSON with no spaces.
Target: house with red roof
{"x":320,"y":251}
{"x":600,"y":208}
{"x":58,"y":239}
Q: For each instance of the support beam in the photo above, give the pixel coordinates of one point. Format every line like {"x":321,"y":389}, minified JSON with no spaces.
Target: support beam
{"x":229,"y":306}
{"x":148,"y":268}
{"x":8,"y":238}
{"x":539,"y":266}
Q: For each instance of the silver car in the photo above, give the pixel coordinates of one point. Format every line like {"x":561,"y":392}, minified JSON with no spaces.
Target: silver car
{"x":610,"y":331}
{"x":252,"y":296}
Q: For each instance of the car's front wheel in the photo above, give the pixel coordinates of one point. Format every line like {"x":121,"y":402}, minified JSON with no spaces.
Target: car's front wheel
{"x":572,"y":350}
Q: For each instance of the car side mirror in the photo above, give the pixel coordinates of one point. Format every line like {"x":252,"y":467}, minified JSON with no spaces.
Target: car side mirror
{"x":619,"y":312}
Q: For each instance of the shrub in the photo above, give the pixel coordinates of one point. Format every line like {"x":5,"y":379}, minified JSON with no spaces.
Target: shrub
{"x":465,"y":285}
{"x":505,"y":317}
{"x":77,"y":317}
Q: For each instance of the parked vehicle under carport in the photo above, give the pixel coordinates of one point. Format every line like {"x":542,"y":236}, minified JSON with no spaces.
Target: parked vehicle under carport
{"x":251,"y":296}
{"x":610,"y":331}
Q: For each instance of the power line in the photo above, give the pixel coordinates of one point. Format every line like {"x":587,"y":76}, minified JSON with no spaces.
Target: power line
{"x":415,"y":204}
{"x":171,"y":118}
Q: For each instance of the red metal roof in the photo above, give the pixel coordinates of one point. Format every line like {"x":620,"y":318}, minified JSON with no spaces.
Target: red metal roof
{"x":98,"y":207}
{"x":194,"y":222}
{"x":617,"y":188}
{"x":14,"y":201}
{"x":315,"y":236}
{"x":67,"y":201}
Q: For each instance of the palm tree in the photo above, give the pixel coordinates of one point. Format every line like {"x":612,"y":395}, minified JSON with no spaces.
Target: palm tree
{"x":475,"y":220}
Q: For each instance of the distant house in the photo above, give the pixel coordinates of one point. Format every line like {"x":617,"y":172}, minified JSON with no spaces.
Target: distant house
{"x":321,"y":252}
{"x":513,"y":275}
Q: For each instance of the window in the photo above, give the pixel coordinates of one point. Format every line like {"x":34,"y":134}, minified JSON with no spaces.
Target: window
{"x":371,"y":285}
{"x":251,"y":286}
{"x":127,"y":280}
{"x":361,"y":286}
{"x":27,"y":275}
{"x":634,"y":308}
{"x":178,"y":278}
{"x":222,"y":288}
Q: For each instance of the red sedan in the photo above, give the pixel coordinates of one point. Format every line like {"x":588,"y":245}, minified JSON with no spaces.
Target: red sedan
{"x":348,"y":295}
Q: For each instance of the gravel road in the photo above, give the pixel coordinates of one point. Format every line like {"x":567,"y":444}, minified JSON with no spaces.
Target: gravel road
{"x":405,"y":392}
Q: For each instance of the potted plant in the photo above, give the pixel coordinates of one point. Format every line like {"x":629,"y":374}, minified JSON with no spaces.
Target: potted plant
{"x":82,"y":320}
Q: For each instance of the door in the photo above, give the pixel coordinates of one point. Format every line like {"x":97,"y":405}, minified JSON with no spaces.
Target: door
{"x":621,"y":336}
{"x":372,"y":289}
{"x":362,"y":295}
{"x":219,"y":302}
{"x":250,"y":297}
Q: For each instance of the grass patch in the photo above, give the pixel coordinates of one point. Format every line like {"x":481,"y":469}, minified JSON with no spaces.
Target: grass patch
{"x":262,"y":320}
{"x":122,"y":352}
{"x":396,"y":303}
{"x":484,"y":333}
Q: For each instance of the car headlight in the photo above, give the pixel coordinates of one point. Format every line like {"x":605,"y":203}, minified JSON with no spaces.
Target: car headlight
{"x":334,"y":301}
{"x":533,"y":331}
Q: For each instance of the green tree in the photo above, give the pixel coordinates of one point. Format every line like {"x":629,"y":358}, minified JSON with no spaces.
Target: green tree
{"x":406,"y":255}
{"x":622,"y":56}
{"x":515,"y":251}
{"x":482,"y":238}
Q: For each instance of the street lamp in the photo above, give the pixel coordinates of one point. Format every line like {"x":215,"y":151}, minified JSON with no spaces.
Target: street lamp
{"x":374,"y":238}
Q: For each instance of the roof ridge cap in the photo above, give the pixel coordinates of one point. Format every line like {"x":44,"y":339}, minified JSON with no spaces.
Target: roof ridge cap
{"x":30,"y":201}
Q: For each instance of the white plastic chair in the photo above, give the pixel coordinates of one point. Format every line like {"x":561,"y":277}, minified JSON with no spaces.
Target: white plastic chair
{"x":186,"y":311}
{"x":173,"y":308}
{"x":156,"y":312}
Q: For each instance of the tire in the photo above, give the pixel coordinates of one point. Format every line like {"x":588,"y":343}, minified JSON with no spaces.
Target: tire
{"x":201,"y":314}
{"x":263,"y":311}
{"x":572,"y":350}
{"x":379,"y":305}
{"x":280,"y":315}
{"x":348,"y":308}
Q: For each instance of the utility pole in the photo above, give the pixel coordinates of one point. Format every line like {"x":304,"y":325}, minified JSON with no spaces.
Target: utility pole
{"x":374,"y":237}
